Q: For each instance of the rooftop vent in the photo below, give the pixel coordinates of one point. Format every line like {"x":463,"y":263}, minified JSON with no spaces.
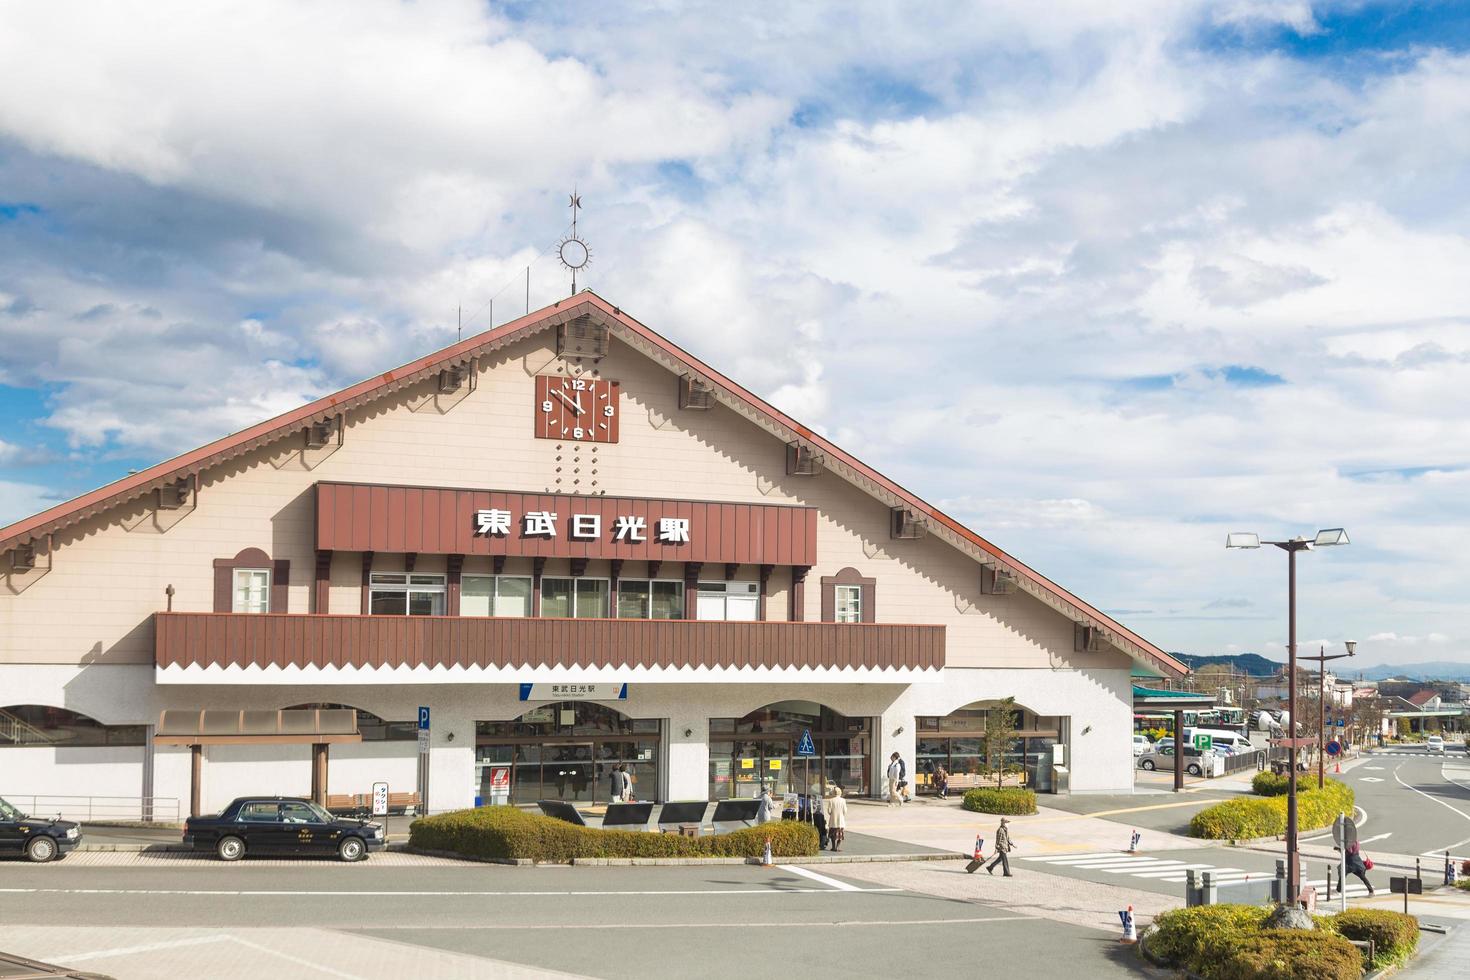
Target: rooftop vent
{"x":907,"y":525}
{"x":803,"y":460}
{"x":695,"y":394}
{"x":583,"y":337}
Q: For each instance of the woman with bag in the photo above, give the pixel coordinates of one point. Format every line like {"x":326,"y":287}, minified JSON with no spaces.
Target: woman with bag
{"x":836,"y":808}
{"x":1359,"y":865}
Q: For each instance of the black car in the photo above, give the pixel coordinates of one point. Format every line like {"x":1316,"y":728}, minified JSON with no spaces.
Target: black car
{"x":281,"y":825}
{"x":38,"y":838}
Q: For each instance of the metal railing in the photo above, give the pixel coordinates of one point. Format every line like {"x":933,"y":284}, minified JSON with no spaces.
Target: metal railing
{"x":1253,"y":759}
{"x":18,"y":731}
{"x":99,"y":809}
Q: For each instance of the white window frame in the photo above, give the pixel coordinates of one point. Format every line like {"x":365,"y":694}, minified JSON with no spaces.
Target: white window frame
{"x":265,"y":599}
{"x":855,"y":613}
{"x":572,"y":612}
{"x":495,"y":593}
{"x":651,"y":582}
{"x":748,"y":591}
{"x":430,"y":583}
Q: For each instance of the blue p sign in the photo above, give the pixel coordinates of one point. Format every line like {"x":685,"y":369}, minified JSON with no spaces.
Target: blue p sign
{"x":423,"y":719}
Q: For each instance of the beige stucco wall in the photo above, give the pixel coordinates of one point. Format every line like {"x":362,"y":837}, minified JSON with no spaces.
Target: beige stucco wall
{"x":109,"y":573}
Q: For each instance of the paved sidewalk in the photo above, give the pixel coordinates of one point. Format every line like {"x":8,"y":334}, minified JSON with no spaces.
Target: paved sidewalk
{"x":946,"y":825}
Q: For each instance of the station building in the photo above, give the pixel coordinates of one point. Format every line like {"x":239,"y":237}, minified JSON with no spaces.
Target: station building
{"x":576,"y":546}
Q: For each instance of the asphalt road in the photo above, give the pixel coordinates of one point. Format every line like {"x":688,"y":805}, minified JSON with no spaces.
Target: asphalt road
{"x":1421,"y":801}
{"x":722,"y":921}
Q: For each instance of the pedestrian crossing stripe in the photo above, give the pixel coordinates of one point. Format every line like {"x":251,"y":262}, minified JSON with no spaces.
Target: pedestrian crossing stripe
{"x":1167,"y":869}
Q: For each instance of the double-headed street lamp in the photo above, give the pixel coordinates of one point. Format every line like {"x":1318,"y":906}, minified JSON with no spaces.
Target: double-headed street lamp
{"x":1326,"y":538}
{"x":1322,"y":658}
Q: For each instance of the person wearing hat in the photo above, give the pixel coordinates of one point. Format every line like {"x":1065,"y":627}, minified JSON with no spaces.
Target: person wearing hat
{"x":1002,"y":849}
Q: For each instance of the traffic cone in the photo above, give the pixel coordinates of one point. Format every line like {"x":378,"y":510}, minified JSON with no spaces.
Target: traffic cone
{"x":1337,"y":768}
{"x":979,"y":842}
{"x":766,"y":855}
{"x":1133,"y":842}
{"x":1130,"y":934}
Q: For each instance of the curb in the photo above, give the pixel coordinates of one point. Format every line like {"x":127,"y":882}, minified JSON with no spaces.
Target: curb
{"x":814,"y":859}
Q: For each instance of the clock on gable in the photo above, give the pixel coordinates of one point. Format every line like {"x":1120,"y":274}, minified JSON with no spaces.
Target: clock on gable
{"x":577,"y":409}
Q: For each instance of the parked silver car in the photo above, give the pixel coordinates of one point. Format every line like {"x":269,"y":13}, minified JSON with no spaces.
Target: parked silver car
{"x":1163,"y":758}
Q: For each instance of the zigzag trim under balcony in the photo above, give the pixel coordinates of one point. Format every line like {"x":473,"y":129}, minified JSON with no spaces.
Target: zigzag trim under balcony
{"x":403,"y":674}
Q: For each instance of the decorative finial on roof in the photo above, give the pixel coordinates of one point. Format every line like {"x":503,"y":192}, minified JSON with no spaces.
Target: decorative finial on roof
{"x":572,"y":250}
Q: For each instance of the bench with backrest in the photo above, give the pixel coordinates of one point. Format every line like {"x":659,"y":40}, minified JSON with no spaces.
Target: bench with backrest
{"x":960,"y":781}
{"x":362,"y":803}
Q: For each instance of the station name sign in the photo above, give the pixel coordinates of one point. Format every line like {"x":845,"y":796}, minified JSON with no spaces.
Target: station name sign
{"x":450,"y":521}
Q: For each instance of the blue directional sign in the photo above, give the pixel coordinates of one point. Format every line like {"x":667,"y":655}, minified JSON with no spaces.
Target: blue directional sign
{"x":806,"y":747}
{"x":423,"y":718}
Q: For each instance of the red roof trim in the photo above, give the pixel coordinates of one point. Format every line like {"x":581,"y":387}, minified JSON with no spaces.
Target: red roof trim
{"x":583,"y":303}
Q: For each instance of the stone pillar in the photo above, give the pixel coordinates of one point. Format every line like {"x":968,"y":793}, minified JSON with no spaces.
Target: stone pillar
{"x":687,"y":756}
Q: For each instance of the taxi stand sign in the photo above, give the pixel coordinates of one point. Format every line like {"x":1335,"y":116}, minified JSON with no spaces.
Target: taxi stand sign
{"x":380,"y":799}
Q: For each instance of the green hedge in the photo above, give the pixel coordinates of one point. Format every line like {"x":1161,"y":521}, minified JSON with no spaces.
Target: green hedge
{"x":1248,"y":817}
{"x":1395,"y":935}
{"x":1202,"y":934}
{"x":1289,"y":954}
{"x":1269,"y":784}
{"x":506,"y":832}
{"x":1009,"y":800}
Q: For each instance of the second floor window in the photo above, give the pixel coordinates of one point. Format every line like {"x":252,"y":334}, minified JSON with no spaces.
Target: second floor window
{"x":849,"y":603}
{"x":577,"y":598}
{"x":252,"y":590}
{"x":735,"y":601}
{"x":495,"y":595}
{"x":398,"y":594}
{"x":650,"y":599}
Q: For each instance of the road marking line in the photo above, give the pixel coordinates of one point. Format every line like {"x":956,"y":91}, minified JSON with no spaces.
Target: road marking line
{"x":841,"y":886}
{"x":1428,"y":797}
{"x":101,"y":954}
{"x":620,"y":926}
{"x":1173,"y":871}
{"x":417,"y":894}
{"x":296,"y":959}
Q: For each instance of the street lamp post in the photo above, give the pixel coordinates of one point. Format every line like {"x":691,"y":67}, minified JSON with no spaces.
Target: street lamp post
{"x":1322,"y":659}
{"x":1324,"y":538}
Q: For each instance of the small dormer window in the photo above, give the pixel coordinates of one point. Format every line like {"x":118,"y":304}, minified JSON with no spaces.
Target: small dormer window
{"x":252,"y":590}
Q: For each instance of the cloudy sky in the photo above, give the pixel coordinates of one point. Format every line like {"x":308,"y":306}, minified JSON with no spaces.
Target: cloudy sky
{"x":1105,"y":280}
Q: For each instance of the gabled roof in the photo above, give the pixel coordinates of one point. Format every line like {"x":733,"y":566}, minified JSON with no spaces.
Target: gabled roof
{"x":596,"y":309}
{"x":1420,"y":698}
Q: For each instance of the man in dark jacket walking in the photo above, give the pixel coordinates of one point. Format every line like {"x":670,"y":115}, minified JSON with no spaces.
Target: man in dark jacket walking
{"x":1002,"y":849}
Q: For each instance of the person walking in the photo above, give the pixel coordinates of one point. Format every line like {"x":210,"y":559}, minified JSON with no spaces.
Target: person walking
{"x":1358,"y":865}
{"x":940,"y":779}
{"x":836,"y":807}
{"x":818,"y":810}
{"x":767,"y":805}
{"x":617,"y":785}
{"x":1002,"y":849}
{"x":903,"y":779}
{"x":627,"y":784}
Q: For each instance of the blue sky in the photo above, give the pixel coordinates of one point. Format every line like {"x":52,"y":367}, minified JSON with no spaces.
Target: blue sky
{"x":1105,"y":283}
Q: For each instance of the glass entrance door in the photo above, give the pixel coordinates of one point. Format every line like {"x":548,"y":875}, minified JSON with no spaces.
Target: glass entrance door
{"x":567,"y":772}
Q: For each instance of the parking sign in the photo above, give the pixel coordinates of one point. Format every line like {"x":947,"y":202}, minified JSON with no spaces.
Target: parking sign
{"x":423,"y":718}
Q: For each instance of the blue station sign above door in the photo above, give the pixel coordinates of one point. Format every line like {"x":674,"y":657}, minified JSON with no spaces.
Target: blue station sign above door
{"x":574,"y":692}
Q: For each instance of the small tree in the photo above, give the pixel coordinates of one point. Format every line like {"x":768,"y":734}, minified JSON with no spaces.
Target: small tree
{"x":1404,"y":730}
{"x":1000,"y":738}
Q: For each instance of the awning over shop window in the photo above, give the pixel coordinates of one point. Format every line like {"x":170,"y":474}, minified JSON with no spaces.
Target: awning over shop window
{"x":301,"y":726}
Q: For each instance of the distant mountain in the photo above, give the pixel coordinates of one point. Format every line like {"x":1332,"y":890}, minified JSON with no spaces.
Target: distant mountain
{"x":1249,"y":663}
{"x":1434,"y":670}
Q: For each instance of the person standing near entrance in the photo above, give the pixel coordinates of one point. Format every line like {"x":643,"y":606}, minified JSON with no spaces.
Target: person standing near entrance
{"x":1002,"y":849}
{"x":940,"y":780}
{"x":836,"y":808}
{"x":627,"y":784}
{"x":767,"y":805}
{"x":895,"y":769}
{"x":617,"y":785}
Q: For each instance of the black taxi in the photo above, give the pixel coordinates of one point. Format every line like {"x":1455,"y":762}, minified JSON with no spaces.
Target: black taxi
{"x":281,"y":825}
{"x":38,"y":838}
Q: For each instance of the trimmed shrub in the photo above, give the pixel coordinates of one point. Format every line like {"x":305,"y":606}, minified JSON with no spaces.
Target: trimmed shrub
{"x":1268,"y":784}
{"x":506,"y":832}
{"x":1200,"y":935}
{"x":1248,"y":817}
{"x":1012,"y":800}
{"x":1287,"y":954}
{"x":1395,"y":935}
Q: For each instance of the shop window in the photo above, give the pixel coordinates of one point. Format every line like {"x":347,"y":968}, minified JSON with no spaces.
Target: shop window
{"x":730,"y":601}
{"x":252,"y":590}
{"x":36,"y":725}
{"x":567,"y":718}
{"x":760,"y":750}
{"x":650,"y":599}
{"x":574,"y":598}
{"x":495,"y":595}
{"x":400,"y":594}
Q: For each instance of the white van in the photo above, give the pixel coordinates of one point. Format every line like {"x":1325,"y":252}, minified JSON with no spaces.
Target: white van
{"x":1219,"y":737}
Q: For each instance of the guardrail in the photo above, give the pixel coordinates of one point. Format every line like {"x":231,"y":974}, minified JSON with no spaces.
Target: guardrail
{"x":99,"y":809}
{"x":1254,"y":759}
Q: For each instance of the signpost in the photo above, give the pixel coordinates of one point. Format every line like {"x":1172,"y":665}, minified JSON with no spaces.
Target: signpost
{"x":500,"y":785}
{"x":423,"y":759}
{"x":1334,"y":747}
{"x":574,"y":692}
{"x":805,"y":749}
{"x":380,"y":799}
{"x":1344,"y":835}
{"x":1406,"y":886}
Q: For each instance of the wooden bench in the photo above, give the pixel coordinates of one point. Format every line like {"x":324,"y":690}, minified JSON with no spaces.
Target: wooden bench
{"x":362,"y":803}
{"x":961,"y":781}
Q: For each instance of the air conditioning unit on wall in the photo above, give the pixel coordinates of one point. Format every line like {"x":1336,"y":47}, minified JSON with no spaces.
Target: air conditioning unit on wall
{"x":803,"y":460}
{"x":906,"y":525}
{"x":173,"y":496}
{"x":695,"y":394}
{"x":997,"y":581}
{"x":23,"y":558}
{"x":583,"y":337}
{"x":1087,"y":639}
{"x":322,"y":432}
